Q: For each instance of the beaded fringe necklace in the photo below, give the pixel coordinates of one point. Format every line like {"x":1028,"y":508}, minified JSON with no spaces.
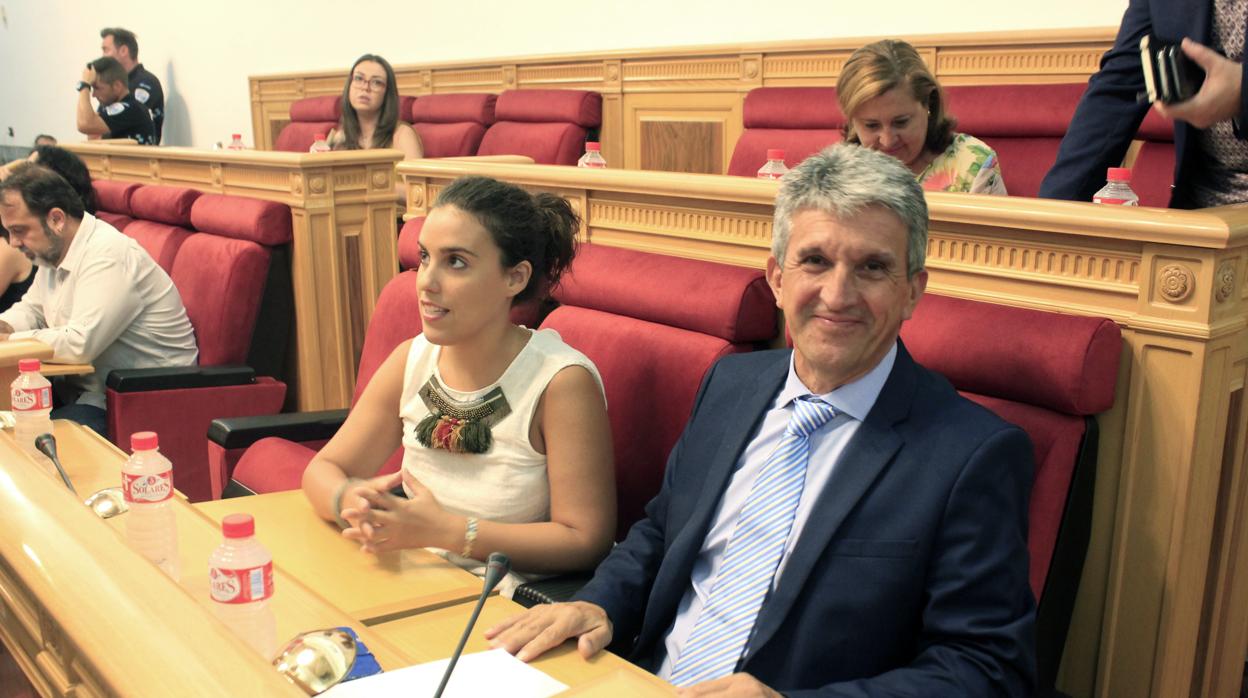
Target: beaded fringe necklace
{"x":459,"y":426}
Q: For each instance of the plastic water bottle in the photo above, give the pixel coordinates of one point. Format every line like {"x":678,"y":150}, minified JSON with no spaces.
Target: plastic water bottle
{"x":147,"y":483}
{"x":240,"y":578}
{"x":319,"y":144}
{"x":31,"y":397}
{"x":774,"y":167}
{"x":1118,"y":189}
{"x":236,"y":142}
{"x":592,"y":157}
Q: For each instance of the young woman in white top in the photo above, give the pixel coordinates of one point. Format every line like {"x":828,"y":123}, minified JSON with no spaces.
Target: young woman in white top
{"x":505,"y":434}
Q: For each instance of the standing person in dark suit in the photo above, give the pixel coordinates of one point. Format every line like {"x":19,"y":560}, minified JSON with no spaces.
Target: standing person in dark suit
{"x":1211,"y":144}
{"x":122,"y":44}
{"x":835,"y":520}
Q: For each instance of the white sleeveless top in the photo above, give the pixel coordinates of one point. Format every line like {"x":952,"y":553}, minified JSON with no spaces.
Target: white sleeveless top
{"x":508,"y":483}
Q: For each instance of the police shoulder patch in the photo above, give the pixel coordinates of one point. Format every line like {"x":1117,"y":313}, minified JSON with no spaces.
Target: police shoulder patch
{"x":115,"y":108}
{"x":142,"y":95}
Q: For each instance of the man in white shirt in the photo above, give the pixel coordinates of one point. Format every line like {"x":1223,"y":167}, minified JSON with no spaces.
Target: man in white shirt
{"x":97,"y":297}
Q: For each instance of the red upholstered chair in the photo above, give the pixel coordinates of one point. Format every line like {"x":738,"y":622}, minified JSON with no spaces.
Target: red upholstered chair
{"x":309,"y":117}
{"x":800,"y":120}
{"x":549,"y":126}
{"x":1023,"y":123}
{"x":113,"y":201}
{"x":161,"y":220}
{"x":1050,"y":374}
{"x":452,"y":125}
{"x":1152,"y":174}
{"x":653,"y":325}
{"x":269,"y":453}
{"x":233,"y":276}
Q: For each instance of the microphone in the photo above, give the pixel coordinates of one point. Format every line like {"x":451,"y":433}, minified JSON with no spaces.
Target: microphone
{"x":46,"y":443}
{"x":496,"y":568}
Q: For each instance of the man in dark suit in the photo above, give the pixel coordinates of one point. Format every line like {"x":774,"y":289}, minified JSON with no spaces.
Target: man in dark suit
{"x":834,"y":520}
{"x":1211,"y":153}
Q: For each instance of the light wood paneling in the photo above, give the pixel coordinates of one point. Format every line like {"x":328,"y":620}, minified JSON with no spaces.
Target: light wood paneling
{"x":343,"y":211}
{"x":714,"y":78}
{"x":1163,"y":595}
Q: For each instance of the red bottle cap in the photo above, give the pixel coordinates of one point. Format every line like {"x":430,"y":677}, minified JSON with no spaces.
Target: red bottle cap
{"x":28,"y":365}
{"x":591,"y":145}
{"x":238,"y":526}
{"x":1119,"y":174}
{"x":143,"y":441}
{"x":775,"y":154}
{"x":237,"y":136}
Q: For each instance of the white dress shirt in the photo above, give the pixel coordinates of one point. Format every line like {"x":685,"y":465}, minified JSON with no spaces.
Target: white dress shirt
{"x":108,"y":304}
{"x":852,"y":402}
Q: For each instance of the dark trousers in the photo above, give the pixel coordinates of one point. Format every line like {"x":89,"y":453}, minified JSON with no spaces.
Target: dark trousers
{"x":86,"y":415}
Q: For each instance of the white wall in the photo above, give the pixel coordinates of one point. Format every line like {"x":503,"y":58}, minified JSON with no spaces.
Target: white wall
{"x":204,"y":51}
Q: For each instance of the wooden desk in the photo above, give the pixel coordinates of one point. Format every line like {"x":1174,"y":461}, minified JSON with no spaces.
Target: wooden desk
{"x":369,"y":587}
{"x":14,"y":350}
{"x":92,"y":463}
{"x":344,"y":251}
{"x":433,"y":635}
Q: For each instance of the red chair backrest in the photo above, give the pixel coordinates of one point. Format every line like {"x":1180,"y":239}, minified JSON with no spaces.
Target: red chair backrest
{"x":1043,"y":371}
{"x":113,"y":201}
{"x":162,"y":220}
{"x":549,"y":126}
{"x":653,"y":325}
{"x":452,"y":125}
{"x":1152,"y":174}
{"x":799,"y":120}
{"x":308,"y":118}
{"x":1023,"y":123}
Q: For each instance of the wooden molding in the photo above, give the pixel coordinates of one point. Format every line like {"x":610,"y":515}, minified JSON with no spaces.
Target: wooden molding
{"x":677,"y":78}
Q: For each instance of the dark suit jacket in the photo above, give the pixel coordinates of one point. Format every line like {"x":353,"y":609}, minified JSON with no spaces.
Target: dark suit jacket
{"x":1109,"y":115}
{"x":911,"y":578}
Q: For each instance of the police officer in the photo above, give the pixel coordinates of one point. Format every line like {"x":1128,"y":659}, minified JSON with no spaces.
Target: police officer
{"x":119,"y":114}
{"x":124,"y":46}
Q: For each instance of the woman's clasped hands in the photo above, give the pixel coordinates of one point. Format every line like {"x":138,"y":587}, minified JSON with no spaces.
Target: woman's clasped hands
{"x":381,"y":522}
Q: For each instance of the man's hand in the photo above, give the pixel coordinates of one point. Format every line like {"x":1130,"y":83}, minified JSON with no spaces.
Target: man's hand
{"x":530,"y":634}
{"x":1218,"y":98}
{"x":88,"y":75}
{"x":6,"y":329}
{"x":735,"y":686}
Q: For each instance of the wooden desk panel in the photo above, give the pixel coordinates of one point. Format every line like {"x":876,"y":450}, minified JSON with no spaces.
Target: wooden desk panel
{"x":433,"y":635}
{"x":368,"y":587}
{"x":92,"y":464}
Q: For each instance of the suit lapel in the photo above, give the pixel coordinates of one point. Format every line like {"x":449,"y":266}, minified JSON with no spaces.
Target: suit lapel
{"x":741,"y":418}
{"x":865,"y":457}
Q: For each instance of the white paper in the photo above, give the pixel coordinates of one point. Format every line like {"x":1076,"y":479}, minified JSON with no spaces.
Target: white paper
{"x":478,"y":674}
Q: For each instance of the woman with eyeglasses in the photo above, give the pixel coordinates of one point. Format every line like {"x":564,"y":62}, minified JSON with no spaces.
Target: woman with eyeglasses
{"x":370,"y":111}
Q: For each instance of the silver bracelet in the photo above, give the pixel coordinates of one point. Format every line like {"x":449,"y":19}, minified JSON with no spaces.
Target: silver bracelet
{"x":337,"y":502}
{"x":470,"y":537}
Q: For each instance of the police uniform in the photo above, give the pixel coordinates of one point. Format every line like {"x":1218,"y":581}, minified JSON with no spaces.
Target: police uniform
{"x":126,"y":118}
{"x":148,"y":92}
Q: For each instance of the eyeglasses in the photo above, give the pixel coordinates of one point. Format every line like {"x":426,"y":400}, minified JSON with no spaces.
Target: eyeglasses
{"x":374,"y":85}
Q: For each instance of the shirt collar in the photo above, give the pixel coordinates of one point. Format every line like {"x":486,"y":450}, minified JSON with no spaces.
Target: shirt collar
{"x":78,"y":246}
{"x":854,"y":399}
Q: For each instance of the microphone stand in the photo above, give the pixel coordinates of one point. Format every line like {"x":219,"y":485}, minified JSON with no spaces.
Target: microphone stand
{"x":46,"y":443}
{"x":496,"y":569}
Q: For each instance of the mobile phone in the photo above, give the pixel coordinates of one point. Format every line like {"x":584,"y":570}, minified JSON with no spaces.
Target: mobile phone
{"x":1169,"y":75}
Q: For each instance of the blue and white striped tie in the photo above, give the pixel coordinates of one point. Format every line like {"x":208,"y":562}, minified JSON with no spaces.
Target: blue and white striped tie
{"x":753,"y":553}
